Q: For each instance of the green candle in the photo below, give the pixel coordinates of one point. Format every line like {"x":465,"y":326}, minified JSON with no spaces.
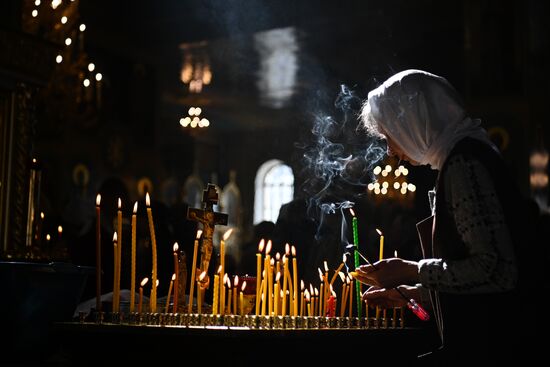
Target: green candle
{"x":356,"y":258}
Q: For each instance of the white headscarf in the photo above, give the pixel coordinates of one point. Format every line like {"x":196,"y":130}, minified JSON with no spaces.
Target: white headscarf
{"x":423,"y":114}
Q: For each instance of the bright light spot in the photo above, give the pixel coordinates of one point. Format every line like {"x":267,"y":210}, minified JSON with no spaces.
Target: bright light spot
{"x":37,"y":3}
{"x":370,"y":186}
{"x":376,"y":190}
{"x":397,"y":173}
{"x":206,"y":122}
{"x":404,"y":185}
{"x":64,"y":19}
{"x":58,"y":59}
{"x":82,"y":27}
{"x":34,"y":13}
{"x":86,"y":83}
{"x":388,"y":168}
{"x":91,"y":67}
{"x":411,"y":187}
{"x":198,"y":111}
{"x":384,"y":191}
{"x":191,"y":111}
{"x":98,"y":77}
{"x":68,"y":41}
{"x":396,"y":185}
{"x":403,"y":190}
{"x":376,"y":185}
{"x":56,"y":3}
{"x":405,"y":171}
{"x":377,"y":170}
{"x":385,"y":184}
{"x":384,"y":173}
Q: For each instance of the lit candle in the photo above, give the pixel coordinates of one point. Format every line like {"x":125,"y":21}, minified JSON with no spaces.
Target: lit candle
{"x":133,"y":262}
{"x":331,"y":304}
{"x":259,"y":274}
{"x":343,"y":298}
{"x":295,"y":280}
{"x":59,"y":233}
{"x":115,"y":269}
{"x":356,"y":259}
{"x":39,"y":227}
{"x":351,"y":298}
{"x":170,"y":292}
{"x":119,"y":255}
{"x":216,"y":293}
{"x":308,"y":303}
{"x":241,"y":298}
{"x":337,"y":272}
{"x":302,"y":287}
{"x":394,"y":315}
{"x":222,"y":274}
{"x":229,"y":291}
{"x":271,"y":295}
{"x":200,"y":291}
{"x":267,"y":270}
{"x":143,"y":282}
{"x":153,"y":300}
{"x":381,"y":243}
{"x":276,"y":294}
{"x":97,"y":253}
{"x":285,"y":277}
{"x":235,"y":285}
{"x":176,"y":275}
{"x":194,"y":266}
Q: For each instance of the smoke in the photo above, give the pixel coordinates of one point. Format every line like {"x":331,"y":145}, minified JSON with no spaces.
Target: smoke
{"x":338,"y":162}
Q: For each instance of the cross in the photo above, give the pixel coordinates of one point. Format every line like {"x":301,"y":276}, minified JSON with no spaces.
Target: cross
{"x":209,"y":219}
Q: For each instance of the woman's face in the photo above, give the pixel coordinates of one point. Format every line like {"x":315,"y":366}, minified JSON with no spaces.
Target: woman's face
{"x":395,"y":151}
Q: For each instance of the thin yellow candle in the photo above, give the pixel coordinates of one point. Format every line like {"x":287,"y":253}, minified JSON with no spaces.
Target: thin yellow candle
{"x":326,"y":292}
{"x":343,"y":298}
{"x":222,"y":274}
{"x":278,"y":263}
{"x":269,"y":269}
{"x":235,"y":285}
{"x":381,"y":244}
{"x":119,"y":248}
{"x":175,"y":249}
{"x":115,"y":266}
{"x":344,"y":259}
{"x":285,"y":278}
{"x":229,"y":292}
{"x":308,"y":302}
{"x":222,"y":293}
{"x":394,"y":316}
{"x":133,"y":260}
{"x":193,"y":267}
{"x":153,"y":300}
{"x":302,"y":287}
{"x":351,"y":298}
{"x":200,"y":291}
{"x":295,"y":280}
{"x":258,"y":274}
{"x":170,"y":292}
{"x":97,"y":253}
{"x":140,"y":305}
{"x":264,"y":287}
{"x":276,"y":294}
{"x":216,"y":293}
{"x":241,"y":298}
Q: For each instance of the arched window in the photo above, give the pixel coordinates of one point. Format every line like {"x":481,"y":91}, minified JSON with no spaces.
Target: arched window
{"x":274,"y":187}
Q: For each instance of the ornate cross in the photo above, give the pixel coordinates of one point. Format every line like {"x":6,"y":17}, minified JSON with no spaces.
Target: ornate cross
{"x":209,"y":219}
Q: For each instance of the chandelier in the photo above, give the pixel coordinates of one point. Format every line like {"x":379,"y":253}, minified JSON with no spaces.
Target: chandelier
{"x":193,"y":120}
{"x":195,"y":70}
{"x":391,"y":184}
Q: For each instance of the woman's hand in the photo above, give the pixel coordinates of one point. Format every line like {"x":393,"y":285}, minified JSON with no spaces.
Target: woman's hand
{"x":388,"y":273}
{"x":389,"y":297}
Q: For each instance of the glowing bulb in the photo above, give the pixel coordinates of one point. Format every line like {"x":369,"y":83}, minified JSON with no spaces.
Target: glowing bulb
{"x":194,"y":122}
{"x":37,"y":3}
{"x":191,"y":111}
{"x":384,"y":191}
{"x":377,"y":170}
{"x":376,"y":185}
{"x":385,"y":184}
{"x":91,"y":67}
{"x":98,"y":77}
{"x":403,"y":190}
{"x":376,"y":190}
{"x":405,"y":171}
{"x":34,"y":13}
{"x":64,"y":19}
{"x":370,"y":186}
{"x":384,"y":173}
{"x":396,"y":185}
{"x":55,"y":4}
{"x":404,"y":185}
{"x":411,"y":187}
{"x":206,"y":123}
{"x":198,"y":111}
{"x":82,"y":27}
{"x":388,"y":168}
{"x":68,"y":41}
{"x":397,"y":173}
{"x":58,"y":59}
{"x":86,"y":83}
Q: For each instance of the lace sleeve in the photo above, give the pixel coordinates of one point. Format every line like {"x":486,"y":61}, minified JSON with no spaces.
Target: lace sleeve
{"x":472,"y":201}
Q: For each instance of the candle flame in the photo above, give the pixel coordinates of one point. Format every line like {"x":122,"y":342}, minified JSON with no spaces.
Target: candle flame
{"x":199,"y":233}
{"x":219,"y":269}
{"x":302,"y":285}
{"x":348,"y":280}
{"x":320,"y":273}
{"x":287,"y":249}
{"x":268,"y":247}
{"x":379,"y":231}
{"x":147,"y":200}
{"x":158,"y":282}
{"x":173,"y":276}
{"x":48,"y":237}
{"x":272,"y":262}
{"x":144,"y":281}
{"x":226,"y":279}
{"x":202,"y":276}
{"x":293,"y":251}
{"x":135,"y":207}
{"x":261,"y":245}
{"x":310,"y":288}
{"x":352,"y":212}
{"x":342,"y":276}
{"x":308,"y":297}
{"x":119,"y":204}
{"x":278,"y":256}
{"x":115,"y":237}
{"x":59,"y":229}
{"x":175,"y":247}
{"x":331,"y":289}
{"x":98,"y":199}
{"x":332,"y":292}
{"x":227,"y":234}
{"x":278,"y":276}
{"x":243,"y":286}
{"x":41,"y":215}
{"x":325,"y":265}
{"x":236,"y":281}
{"x":344,"y":258}
{"x":395,"y":253}
{"x":316,"y":292}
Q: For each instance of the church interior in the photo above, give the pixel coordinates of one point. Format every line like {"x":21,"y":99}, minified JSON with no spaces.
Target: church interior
{"x":238,"y":120}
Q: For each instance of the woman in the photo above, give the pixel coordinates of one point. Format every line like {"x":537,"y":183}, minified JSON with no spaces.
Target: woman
{"x":470,"y":269}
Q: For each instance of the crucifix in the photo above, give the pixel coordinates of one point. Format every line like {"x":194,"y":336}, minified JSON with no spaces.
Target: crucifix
{"x":209,"y":219}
